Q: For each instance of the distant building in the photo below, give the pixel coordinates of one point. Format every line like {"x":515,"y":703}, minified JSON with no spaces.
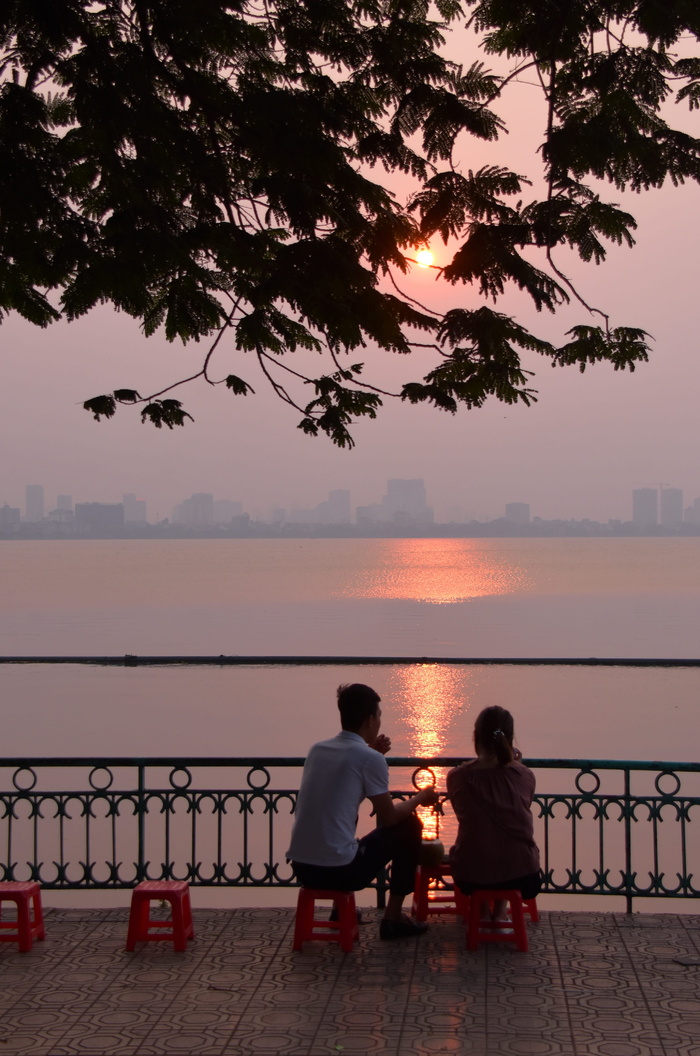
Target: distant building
{"x":405,"y":502}
{"x":645,"y":506}
{"x":59,"y":516}
{"x":338,"y":508}
{"x":134,"y":509}
{"x":9,"y":518}
{"x":374,"y":514}
{"x":100,"y":517}
{"x":34,"y":505}
{"x":518,"y":512}
{"x":671,"y":507}
{"x":692,"y":513}
{"x":195,"y":512}
{"x":335,"y":509}
{"x":225,"y":510}
{"x":64,"y":502}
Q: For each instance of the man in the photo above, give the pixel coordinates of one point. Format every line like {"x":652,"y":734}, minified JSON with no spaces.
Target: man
{"x":338,"y":775}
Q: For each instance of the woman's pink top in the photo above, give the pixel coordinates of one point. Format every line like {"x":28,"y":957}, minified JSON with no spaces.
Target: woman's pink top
{"x":495,"y":839}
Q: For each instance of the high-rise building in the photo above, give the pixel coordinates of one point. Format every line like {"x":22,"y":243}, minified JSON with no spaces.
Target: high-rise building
{"x":404,"y":504}
{"x":100,"y":517}
{"x":671,"y":507}
{"x":64,"y":502}
{"x":333,"y":510}
{"x":9,"y":518}
{"x":134,"y":509}
{"x":645,"y":506}
{"x":518,"y":512}
{"x":195,"y":512}
{"x":34,"y":506}
{"x":692,"y":513}
{"x":405,"y":501}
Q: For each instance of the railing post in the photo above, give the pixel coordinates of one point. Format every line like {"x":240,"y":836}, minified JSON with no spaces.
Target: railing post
{"x":628,"y":840}
{"x":141,"y":808}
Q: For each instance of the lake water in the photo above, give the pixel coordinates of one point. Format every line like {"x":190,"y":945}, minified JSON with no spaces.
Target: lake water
{"x":636,"y":598}
{"x":337,"y":597}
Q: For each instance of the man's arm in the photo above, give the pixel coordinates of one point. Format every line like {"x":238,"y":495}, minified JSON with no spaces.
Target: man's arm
{"x":390,"y":812}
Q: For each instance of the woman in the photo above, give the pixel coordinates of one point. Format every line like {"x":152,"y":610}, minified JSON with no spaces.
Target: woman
{"x":491,"y":796}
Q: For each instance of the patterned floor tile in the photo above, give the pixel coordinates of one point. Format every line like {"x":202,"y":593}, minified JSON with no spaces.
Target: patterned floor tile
{"x":590,"y":985}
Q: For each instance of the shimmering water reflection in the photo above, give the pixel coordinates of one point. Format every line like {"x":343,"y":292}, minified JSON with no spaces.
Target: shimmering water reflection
{"x":429,"y":700}
{"x":437,"y":571}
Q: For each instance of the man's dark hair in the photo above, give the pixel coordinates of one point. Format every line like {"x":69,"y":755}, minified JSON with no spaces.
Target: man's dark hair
{"x":356,"y":703}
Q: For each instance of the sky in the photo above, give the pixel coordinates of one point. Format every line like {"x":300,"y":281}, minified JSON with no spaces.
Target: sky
{"x":578,"y":452}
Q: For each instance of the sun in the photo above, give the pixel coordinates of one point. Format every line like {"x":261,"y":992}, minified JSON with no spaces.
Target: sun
{"x":424,"y":258}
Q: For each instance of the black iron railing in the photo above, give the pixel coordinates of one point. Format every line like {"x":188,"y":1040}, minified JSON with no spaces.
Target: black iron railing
{"x":604,"y":827}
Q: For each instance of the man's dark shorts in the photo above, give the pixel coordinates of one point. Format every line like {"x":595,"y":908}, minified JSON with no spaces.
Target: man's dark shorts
{"x":398,"y":844}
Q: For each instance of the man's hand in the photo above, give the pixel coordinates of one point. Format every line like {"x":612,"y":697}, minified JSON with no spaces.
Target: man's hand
{"x":382,"y":744}
{"x":429,"y":797}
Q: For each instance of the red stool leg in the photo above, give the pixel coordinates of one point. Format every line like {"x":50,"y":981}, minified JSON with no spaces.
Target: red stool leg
{"x":304,"y":923}
{"x":420,"y":893}
{"x":342,"y":930}
{"x":187,"y":910}
{"x":347,"y":920}
{"x":462,"y":904}
{"x":138,"y":920}
{"x":474,"y":907}
{"x":518,"y":918}
{"x":24,"y":923}
{"x":39,"y":929}
{"x":512,"y":930}
{"x":530,"y":907}
{"x":178,"y":914}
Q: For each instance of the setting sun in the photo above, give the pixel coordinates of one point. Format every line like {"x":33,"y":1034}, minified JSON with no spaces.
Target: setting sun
{"x":424,"y":258}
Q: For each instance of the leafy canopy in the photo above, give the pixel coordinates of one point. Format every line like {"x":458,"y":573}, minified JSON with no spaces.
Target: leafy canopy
{"x":219,"y":171}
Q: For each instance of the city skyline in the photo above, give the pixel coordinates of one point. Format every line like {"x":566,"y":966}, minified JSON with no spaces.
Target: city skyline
{"x":578,"y":452}
{"x":404,"y":501}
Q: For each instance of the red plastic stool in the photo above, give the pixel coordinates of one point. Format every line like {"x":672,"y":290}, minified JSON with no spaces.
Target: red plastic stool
{"x":179,"y":929}
{"x":512,"y":930}
{"x":27,"y":896}
{"x":431,"y":895}
{"x":343,"y":930}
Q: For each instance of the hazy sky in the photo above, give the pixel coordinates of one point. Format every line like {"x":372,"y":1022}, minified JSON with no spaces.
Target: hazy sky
{"x":578,"y":452}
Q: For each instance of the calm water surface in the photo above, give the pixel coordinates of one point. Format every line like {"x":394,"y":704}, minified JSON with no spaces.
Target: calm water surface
{"x":365,"y":598}
{"x":399,"y":597}
{"x":443,"y":597}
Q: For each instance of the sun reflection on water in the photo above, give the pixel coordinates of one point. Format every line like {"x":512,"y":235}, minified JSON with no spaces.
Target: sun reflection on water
{"x":430,"y":699}
{"x":439,"y":571}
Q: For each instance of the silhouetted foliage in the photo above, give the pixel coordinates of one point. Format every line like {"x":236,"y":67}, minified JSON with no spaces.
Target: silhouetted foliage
{"x":215,"y":170}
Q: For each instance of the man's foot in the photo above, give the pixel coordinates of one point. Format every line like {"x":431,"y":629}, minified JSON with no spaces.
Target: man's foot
{"x":404,"y":928}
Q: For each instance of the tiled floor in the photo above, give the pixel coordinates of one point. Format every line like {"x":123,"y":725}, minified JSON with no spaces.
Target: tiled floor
{"x":590,"y":985}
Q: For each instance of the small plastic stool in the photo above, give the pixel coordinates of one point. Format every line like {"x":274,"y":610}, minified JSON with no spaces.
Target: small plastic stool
{"x":179,"y":929}
{"x":343,"y":930}
{"x":431,"y":894}
{"x":27,"y":897}
{"x":512,"y":930}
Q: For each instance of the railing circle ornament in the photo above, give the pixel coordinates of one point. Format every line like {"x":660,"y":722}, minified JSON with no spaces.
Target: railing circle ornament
{"x":101,"y":778}
{"x":430,"y":783}
{"x":673,"y":778}
{"x":180,"y":777}
{"x":258,"y":782}
{"x":582,"y":777}
{"x":21,"y":783}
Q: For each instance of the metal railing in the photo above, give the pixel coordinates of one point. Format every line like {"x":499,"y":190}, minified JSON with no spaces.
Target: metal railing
{"x":604,"y":827}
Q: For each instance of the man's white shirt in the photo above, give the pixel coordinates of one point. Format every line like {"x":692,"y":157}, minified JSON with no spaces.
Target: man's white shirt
{"x":338,"y":775}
